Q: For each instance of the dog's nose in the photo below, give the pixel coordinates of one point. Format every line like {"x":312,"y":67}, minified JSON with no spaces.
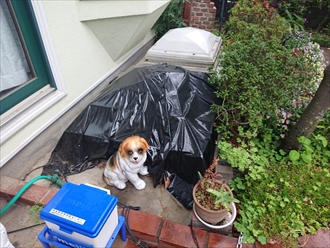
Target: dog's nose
{"x":135,"y":158}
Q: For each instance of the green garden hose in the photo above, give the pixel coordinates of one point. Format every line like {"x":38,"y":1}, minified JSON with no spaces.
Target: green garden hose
{"x":53,"y":179}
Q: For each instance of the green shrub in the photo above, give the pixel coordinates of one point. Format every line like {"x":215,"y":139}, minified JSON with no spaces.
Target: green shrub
{"x":257,"y":73}
{"x":256,"y":19}
{"x":172,"y":17}
{"x":281,"y":199}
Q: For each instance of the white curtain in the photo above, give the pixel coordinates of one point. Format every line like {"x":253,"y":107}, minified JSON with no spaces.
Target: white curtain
{"x":13,"y":68}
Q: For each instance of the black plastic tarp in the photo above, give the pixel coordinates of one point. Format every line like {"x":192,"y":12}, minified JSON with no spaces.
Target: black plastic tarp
{"x":167,"y":105}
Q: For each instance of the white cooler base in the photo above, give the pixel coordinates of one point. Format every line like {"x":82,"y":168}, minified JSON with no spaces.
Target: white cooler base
{"x":100,"y":240}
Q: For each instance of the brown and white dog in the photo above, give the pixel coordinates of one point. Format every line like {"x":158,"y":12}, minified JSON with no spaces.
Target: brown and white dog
{"x":125,"y":164}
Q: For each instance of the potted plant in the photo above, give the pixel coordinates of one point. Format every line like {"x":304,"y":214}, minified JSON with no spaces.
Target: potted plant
{"x":212,"y":198}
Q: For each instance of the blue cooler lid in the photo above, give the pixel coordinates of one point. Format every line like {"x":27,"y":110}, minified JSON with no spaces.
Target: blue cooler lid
{"x":79,"y":208}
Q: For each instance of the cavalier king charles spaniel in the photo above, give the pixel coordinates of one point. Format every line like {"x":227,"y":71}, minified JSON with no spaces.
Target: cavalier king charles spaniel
{"x":125,"y":164}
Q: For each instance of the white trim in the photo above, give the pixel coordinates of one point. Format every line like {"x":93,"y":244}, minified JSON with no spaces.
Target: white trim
{"x":48,"y":44}
{"x":15,"y":124}
{"x":23,"y":106}
{"x":10,"y":127}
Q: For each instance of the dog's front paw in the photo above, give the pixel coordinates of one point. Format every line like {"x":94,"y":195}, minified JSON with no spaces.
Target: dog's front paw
{"x":140,"y":185}
{"x":120,"y":185}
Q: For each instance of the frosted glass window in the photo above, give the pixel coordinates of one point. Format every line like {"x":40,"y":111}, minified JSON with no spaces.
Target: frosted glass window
{"x":15,"y":69}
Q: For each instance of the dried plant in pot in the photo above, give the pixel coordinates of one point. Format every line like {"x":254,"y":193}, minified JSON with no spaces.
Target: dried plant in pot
{"x":212,"y":197}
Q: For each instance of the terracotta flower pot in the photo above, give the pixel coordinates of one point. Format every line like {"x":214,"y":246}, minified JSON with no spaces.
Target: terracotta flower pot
{"x":210,"y":216}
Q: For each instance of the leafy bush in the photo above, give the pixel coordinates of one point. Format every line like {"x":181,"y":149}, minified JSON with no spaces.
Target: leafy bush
{"x":267,"y":76}
{"x":258,"y":74}
{"x":256,"y":19}
{"x":172,"y":17}
{"x":281,"y":198}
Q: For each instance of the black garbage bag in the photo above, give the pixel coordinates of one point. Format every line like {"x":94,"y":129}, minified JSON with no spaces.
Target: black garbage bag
{"x":180,"y":189}
{"x":167,"y":105}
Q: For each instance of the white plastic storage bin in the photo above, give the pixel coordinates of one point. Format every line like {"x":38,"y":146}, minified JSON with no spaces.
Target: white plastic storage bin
{"x":81,"y":214}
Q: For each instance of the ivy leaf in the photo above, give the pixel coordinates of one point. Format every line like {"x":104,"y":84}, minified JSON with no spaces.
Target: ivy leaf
{"x":294,"y":155}
{"x":248,"y":239}
{"x":323,"y":140}
{"x":306,"y":157}
{"x":304,"y":140}
{"x":239,"y":183}
{"x":278,"y":157}
{"x":309,"y":150}
{"x":282,"y":152}
{"x":262,"y":240}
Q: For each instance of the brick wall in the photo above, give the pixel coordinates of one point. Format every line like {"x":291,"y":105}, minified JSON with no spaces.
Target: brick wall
{"x":200,"y":14}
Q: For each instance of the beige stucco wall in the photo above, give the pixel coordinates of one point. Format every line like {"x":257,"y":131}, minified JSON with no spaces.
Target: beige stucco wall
{"x":89,"y":38}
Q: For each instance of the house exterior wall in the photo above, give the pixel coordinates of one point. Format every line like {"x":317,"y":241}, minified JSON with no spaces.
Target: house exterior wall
{"x":200,"y":14}
{"x":90,"y":41}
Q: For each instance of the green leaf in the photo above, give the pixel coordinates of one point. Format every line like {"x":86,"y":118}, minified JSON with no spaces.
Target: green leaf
{"x":248,"y":239}
{"x":222,"y":196}
{"x":282,"y":152}
{"x":323,"y":140}
{"x":309,"y":150}
{"x":262,"y":240}
{"x":294,"y":155}
{"x":278,"y":157}
{"x":304,"y":140}
{"x":306,"y":157}
{"x":239,"y":183}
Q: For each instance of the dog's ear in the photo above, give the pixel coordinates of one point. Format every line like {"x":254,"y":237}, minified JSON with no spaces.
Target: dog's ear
{"x":144,"y":144}
{"x":122,"y":149}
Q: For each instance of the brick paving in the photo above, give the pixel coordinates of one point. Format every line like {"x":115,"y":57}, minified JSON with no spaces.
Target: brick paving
{"x":154,"y":230}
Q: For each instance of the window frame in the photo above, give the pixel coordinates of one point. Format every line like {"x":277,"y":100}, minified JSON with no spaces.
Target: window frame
{"x":17,"y":117}
{"x":31,"y":42}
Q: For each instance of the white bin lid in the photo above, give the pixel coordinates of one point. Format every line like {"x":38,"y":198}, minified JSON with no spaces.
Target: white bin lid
{"x":186,"y":46}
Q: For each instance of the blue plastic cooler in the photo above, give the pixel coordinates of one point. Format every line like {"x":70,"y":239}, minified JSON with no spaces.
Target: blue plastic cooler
{"x":82,"y":214}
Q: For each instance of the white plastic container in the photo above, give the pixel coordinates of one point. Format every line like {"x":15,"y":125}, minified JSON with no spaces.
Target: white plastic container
{"x":186,"y":46}
{"x":81,"y":215}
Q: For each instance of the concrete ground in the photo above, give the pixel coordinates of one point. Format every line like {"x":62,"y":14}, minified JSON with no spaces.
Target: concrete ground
{"x":157,"y":201}
{"x":23,"y":229}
